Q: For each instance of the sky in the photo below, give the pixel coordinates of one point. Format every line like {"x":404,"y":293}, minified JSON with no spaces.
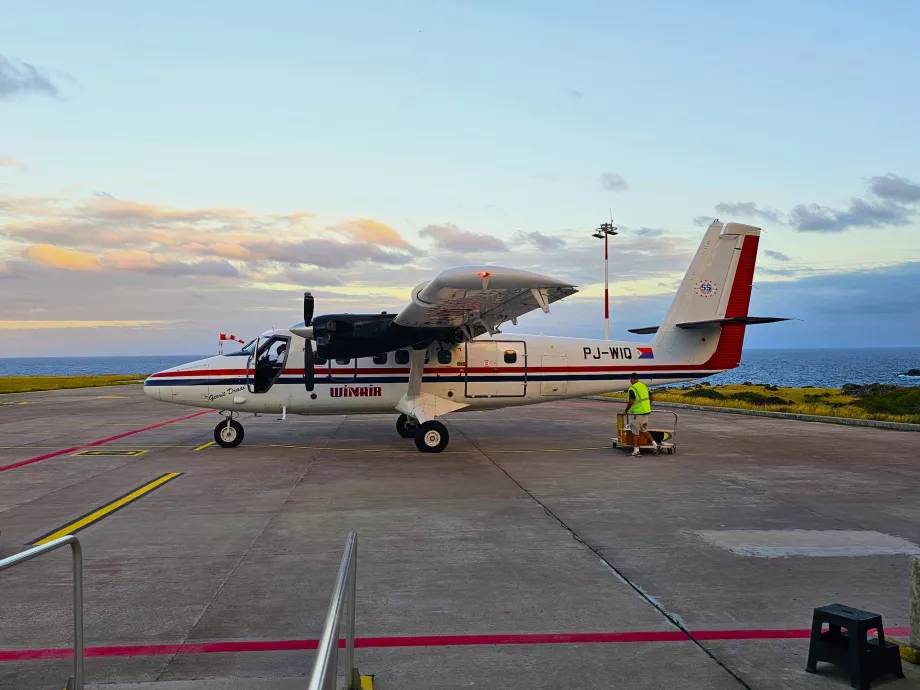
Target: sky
{"x":174,"y":170}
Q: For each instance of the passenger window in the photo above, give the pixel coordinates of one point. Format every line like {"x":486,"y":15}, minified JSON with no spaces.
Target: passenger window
{"x":510,"y":356}
{"x":380,"y":359}
{"x":427,"y":357}
{"x":343,"y":362}
{"x":402,"y":357}
{"x":444,"y":356}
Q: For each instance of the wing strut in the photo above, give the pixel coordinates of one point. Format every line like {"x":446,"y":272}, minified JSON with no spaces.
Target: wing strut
{"x":423,"y":406}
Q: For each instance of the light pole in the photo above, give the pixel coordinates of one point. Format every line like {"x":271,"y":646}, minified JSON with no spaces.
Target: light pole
{"x":605,"y":231}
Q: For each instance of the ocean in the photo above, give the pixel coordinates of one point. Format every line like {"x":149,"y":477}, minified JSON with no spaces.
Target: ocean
{"x":829,"y":368}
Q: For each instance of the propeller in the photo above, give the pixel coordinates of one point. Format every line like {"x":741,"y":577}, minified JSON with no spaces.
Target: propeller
{"x":306,"y":331}
{"x":308,"y":309}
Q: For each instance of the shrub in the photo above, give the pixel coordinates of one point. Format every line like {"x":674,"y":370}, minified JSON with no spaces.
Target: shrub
{"x":705,"y":393}
{"x":759,"y":399}
{"x":866,"y":390}
{"x":900,"y":401}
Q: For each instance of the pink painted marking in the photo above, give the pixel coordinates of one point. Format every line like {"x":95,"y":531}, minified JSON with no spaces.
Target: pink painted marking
{"x":92,"y":444}
{"x":416,"y":641}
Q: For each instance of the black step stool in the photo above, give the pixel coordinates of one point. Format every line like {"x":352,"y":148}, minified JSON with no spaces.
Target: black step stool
{"x":866,"y":659}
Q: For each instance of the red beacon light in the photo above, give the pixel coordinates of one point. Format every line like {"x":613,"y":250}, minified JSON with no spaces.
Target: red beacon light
{"x":485,"y":279}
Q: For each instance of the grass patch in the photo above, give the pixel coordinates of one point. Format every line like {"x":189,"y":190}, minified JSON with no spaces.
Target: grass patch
{"x":876,"y":402}
{"x":31,"y":384}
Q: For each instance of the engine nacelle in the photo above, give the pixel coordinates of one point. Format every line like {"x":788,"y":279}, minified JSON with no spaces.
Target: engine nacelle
{"x":344,"y":336}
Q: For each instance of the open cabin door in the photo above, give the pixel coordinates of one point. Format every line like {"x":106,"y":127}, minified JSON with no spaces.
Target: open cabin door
{"x":266,"y":362}
{"x":496,"y":369}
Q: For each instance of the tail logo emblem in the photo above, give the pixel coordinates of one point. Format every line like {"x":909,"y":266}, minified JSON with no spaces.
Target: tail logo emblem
{"x":706,"y":288}
{"x":645,"y":353}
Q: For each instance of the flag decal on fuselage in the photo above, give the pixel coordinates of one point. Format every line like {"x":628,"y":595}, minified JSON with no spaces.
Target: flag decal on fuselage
{"x":645,"y":353}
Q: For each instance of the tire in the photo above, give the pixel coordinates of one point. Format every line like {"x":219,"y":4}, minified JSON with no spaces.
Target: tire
{"x":228,"y":437}
{"x":403,"y":428}
{"x":431,"y":437}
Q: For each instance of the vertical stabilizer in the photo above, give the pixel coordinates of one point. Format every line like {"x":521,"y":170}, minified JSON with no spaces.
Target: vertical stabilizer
{"x":716,"y":286}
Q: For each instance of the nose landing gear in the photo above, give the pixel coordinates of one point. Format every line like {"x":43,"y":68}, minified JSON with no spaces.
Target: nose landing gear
{"x":228,"y":433}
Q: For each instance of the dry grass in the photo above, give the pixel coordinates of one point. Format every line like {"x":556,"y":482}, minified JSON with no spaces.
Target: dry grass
{"x":30,"y":384}
{"x":833,"y":401}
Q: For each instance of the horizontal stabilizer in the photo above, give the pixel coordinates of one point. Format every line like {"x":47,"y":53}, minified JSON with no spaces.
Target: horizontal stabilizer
{"x":739,"y":320}
{"x":742,"y":320}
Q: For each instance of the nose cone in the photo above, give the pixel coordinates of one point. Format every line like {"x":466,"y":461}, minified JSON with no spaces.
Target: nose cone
{"x":151,"y":389}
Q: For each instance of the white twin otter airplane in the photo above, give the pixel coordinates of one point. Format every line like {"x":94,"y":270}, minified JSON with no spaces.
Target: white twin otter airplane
{"x":444,"y":352}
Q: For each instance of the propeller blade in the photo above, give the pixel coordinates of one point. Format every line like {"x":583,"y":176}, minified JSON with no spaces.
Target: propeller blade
{"x":307,"y":308}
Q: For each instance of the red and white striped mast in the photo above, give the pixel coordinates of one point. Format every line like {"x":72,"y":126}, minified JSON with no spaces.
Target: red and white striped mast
{"x":605,"y":231}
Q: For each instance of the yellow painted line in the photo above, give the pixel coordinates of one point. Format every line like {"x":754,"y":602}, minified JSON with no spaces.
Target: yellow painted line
{"x":204,"y":445}
{"x":103,"y":511}
{"x":123,"y":452}
{"x":367,"y":682}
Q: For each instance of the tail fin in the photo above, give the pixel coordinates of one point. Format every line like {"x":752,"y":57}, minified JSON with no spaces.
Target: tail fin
{"x":717,"y":290}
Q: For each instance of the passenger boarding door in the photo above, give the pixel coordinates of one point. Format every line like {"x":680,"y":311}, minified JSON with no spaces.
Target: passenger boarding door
{"x":496,"y":369}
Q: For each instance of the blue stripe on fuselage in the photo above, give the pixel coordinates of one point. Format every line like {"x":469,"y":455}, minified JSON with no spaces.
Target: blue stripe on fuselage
{"x":367,"y":380}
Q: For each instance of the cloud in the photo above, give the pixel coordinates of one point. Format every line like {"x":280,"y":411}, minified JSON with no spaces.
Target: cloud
{"x":32,"y":325}
{"x":314,"y":278}
{"x":647,"y":232}
{"x":7,"y":162}
{"x":748,"y":209}
{"x":69,"y":259}
{"x":541,"y":241}
{"x":369,"y":230}
{"x":612,"y":182}
{"x":20,"y":78}
{"x":892,"y":202}
{"x":322,"y":252}
{"x":776,"y":255}
{"x":895,"y":188}
{"x":703,"y":221}
{"x":777,"y":271}
{"x":859,"y":213}
{"x":545,"y":176}
{"x":451,"y":238}
{"x":575,"y":93}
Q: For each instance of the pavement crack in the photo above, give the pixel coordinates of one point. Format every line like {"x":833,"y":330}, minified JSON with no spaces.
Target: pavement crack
{"x":255,"y":540}
{"x":673,"y":619}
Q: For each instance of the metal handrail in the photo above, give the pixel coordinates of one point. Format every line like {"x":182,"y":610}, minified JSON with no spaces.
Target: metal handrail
{"x":325,"y":668}
{"x":77,"y":553}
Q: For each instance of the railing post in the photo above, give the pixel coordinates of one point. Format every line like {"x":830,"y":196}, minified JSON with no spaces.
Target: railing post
{"x":77,"y":552}
{"x":350,"y":619}
{"x":76,"y":681}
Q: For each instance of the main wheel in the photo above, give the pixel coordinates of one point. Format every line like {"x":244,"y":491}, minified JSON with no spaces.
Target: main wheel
{"x":228,"y":436}
{"x":404,"y":427}
{"x":431,"y":437}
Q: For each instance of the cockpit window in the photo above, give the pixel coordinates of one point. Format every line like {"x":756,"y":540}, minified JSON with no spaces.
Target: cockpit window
{"x":245,"y":351}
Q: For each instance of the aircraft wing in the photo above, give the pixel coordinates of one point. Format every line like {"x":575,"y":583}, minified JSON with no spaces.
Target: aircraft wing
{"x":480,"y":298}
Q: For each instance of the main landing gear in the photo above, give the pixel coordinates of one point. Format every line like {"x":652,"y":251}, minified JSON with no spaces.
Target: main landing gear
{"x":430,"y":436}
{"x":228,"y":433}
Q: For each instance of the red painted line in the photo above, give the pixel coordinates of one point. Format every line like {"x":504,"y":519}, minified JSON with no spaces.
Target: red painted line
{"x":416,"y":641}
{"x":92,"y":444}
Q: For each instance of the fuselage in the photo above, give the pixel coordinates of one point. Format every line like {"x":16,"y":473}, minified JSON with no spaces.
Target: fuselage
{"x":486,"y":373}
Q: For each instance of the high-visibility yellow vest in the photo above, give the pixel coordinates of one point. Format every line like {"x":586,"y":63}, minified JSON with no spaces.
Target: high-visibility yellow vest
{"x":642,"y":404}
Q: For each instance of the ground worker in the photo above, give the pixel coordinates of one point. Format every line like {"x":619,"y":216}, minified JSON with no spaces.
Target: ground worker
{"x":639,"y":402}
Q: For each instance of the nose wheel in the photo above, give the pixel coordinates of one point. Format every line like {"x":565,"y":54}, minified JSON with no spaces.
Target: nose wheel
{"x":228,"y":433}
